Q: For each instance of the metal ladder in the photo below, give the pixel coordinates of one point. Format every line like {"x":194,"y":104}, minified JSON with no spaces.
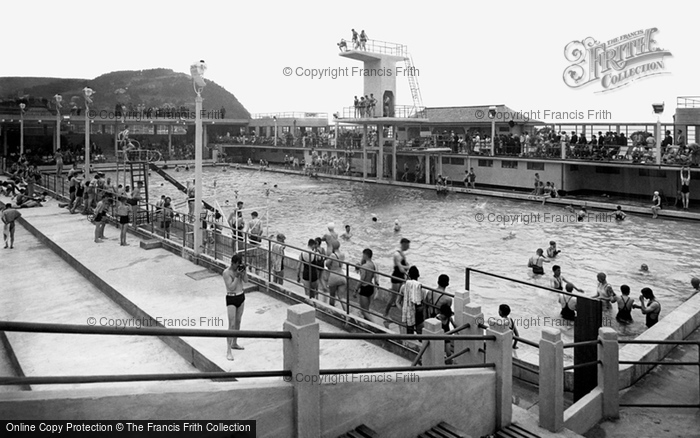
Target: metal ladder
{"x":139,"y":174}
{"x":413,"y":84}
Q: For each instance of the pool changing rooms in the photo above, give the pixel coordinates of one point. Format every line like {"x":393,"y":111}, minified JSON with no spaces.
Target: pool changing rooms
{"x":616,"y":62}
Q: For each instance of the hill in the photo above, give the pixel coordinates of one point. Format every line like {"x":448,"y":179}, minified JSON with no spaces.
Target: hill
{"x":157,"y":88}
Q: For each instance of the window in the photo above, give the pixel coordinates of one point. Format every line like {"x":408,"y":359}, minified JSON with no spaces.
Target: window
{"x":503,"y":129}
{"x":485,"y":163}
{"x":535,"y":166}
{"x":509,"y":164}
{"x":608,"y":170}
{"x":457,"y":161}
{"x":654,"y":173}
{"x":573,"y":167}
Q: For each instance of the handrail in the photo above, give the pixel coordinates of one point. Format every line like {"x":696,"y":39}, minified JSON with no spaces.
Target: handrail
{"x":526,"y":341}
{"x":582,"y":365}
{"x":39,"y":327}
{"x":581,"y":344}
{"x":61,"y":380}
{"x":405,"y":368}
{"x":657,"y":362}
{"x":665,"y":341}
{"x":405,"y":337}
{"x":502,"y":277}
{"x":420,"y":354}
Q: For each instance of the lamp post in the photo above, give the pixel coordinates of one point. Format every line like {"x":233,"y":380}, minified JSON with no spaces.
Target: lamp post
{"x":275,"y":119}
{"x":21,"y":128}
{"x":88,"y":100}
{"x":658,"y":109}
{"x":197,"y":70}
{"x":58,"y":98}
{"x":492,"y":116}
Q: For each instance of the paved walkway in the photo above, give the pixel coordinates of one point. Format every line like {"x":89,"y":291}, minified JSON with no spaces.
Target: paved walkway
{"x":157,"y":282}
{"x":663,"y":385}
{"x":44,"y":288}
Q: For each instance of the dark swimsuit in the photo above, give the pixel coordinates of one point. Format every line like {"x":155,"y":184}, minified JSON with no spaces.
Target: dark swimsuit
{"x":624,"y":315}
{"x":397,"y":276}
{"x":366,"y":290}
{"x":566,"y":311}
{"x":310,"y":272}
{"x":653,"y":318}
{"x":235,"y":300}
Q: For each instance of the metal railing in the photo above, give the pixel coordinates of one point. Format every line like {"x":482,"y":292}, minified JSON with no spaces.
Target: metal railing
{"x":33,"y":327}
{"x":221,"y":242}
{"x":663,"y":362}
{"x":290,"y":115}
{"x":376,"y":46}
{"x":688,"y":102}
{"x":398,"y":111}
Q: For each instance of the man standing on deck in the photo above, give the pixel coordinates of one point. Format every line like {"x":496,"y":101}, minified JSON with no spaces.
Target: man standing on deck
{"x":398,"y":277}
{"x":9,"y":216}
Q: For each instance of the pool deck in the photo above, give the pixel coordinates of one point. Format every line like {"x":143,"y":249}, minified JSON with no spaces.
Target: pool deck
{"x":154,"y":283}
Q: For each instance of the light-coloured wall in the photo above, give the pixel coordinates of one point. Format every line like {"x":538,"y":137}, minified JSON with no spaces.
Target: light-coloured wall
{"x":466,"y":399}
{"x":463,"y":398}
{"x":270,"y":404}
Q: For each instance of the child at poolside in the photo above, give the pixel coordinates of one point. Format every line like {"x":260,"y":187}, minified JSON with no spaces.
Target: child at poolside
{"x":504,"y":312}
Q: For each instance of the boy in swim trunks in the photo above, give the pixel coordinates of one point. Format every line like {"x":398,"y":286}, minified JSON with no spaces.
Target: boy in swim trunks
{"x":235,"y":277}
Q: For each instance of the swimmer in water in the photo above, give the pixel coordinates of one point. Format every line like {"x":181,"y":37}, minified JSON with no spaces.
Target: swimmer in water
{"x":552,"y":251}
{"x":582,"y":214}
{"x":346,"y":235}
{"x":510,"y":236}
{"x":644,"y":268}
{"x":374,"y":217}
{"x":397,"y":227}
{"x":536,"y":261}
{"x":619,"y":214}
{"x":695,"y":282}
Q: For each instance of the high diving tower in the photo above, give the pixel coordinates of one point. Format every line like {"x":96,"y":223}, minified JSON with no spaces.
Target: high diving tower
{"x":380,"y":72}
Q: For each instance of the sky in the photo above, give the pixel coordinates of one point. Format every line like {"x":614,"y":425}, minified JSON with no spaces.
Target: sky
{"x":466,"y":53}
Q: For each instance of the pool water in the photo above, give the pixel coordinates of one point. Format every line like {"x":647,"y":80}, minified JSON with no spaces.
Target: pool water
{"x":446,"y":237}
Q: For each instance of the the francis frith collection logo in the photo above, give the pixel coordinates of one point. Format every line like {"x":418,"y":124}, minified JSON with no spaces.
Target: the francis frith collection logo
{"x":616,"y":62}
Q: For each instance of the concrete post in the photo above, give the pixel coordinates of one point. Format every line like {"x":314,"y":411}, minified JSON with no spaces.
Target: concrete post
{"x":500,"y":352}
{"x":365,"y":133}
{"x":427,"y":168}
{"x":608,"y":371}
{"x":435,"y":353}
{"x":394,"y":164}
{"x":472,"y":315}
{"x":380,"y":153}
{"x":301,"y":357}
{"x":170,"y":141}
{"x":438,"y":165}
{"x":461,"y":300}
{"x":657,"y":137}
{"x":551,"y":380}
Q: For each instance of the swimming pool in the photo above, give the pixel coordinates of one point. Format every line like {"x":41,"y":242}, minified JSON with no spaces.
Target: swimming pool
{"x":446,"y":237}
